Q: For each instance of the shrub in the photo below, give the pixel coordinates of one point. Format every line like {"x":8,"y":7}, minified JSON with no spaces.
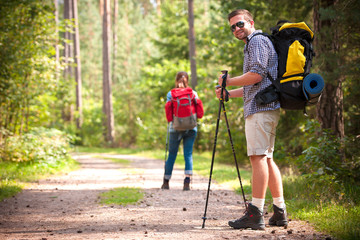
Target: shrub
{"x":38,"y":145}
{"x":331,"y":161}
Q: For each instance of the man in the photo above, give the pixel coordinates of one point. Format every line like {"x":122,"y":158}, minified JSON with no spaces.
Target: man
{"x":260,"y":58}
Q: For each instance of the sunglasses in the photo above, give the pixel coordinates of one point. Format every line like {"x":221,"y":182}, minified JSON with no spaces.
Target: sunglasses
{"x":239,"y":24}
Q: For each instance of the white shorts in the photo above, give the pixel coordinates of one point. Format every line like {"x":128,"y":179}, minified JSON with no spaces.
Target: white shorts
{"x":260,"y":130}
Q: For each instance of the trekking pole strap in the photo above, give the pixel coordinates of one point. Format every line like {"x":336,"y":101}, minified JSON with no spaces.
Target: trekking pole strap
{"x":167,"y":141}
{"x":227,"y":94}
{"x":223,"y":86}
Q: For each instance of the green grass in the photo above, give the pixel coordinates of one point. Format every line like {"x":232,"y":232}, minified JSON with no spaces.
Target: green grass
{"x":122,"y":196}
{"x":336,"y":220}
{"x":106,"y":150}
{"x":124,"y":162}
{"x":9,"y":188}
{"x":320,"y":204}
{"x":15,"y":175}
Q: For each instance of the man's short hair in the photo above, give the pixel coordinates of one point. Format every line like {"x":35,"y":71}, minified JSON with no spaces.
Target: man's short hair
{"x":248,"y":16}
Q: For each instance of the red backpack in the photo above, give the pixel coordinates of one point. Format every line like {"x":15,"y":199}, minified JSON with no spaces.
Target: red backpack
{"x":183,"y":109}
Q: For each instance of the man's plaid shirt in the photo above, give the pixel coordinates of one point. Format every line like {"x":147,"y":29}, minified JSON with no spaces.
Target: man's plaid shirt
{"x":259,"y":57}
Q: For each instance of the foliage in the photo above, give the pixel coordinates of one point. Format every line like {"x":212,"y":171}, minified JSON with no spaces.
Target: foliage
{"x":90,"y":31}
{"x":148,"y":57}
{"x":339,"y":221}
{"x":329,"y":181}
{"x":34,"y":155}
{"x":131,"y":51}
{"x":324,"y":204}
{"x":39,"y":145}
{"x":350,"y":66}
{"x":172,"y":41}
{"x":330,"y":159}
{"x":150,"y":50}
{"x":157,"y":82}
{"x":28,"y":68}
{"x":92,"y":129}
{"x":226,"y":51}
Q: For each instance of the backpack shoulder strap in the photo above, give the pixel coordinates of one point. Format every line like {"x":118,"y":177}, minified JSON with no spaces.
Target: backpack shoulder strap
{"x":256,"y":34}
{"x":172,"y":94}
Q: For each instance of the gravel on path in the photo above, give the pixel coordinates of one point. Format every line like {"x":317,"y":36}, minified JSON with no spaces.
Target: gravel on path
{"x":68,"y":207}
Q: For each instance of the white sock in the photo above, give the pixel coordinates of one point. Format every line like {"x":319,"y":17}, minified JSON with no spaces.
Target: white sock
{"x":259,"y":203}
{"x":279,"y":202}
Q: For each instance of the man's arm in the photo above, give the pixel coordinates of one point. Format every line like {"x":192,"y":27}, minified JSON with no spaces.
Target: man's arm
{"x":235,"y":93}
{"x":248,"y":78}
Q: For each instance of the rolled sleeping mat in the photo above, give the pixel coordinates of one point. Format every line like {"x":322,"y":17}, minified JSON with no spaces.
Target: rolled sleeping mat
{"x":313,"y":85}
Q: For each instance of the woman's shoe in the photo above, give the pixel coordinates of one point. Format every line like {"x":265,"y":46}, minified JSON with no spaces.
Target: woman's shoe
{"x":186,"y":184}
{"x":165,"y":184}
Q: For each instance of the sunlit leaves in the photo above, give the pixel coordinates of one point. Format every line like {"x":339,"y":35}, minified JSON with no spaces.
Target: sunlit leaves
{"x":27,"y":66}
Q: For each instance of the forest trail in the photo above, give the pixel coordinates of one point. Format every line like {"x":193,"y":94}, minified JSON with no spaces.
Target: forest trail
{"x":67,"y":207}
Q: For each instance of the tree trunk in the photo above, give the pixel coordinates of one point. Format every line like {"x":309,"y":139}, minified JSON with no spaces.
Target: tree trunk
{"x":57,"y":51}
{"x":68,"y":15}
{"x":68,"y":53}
{"x":327,"y":46}
{"x":192,"y":50}
{"x":158,"y":7}
{"x":107,"y":98}
{"x":79,"y":119}
{"x":115,"y":15}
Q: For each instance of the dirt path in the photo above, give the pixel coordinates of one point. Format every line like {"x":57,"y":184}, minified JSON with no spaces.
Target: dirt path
{"x":67,"y":207}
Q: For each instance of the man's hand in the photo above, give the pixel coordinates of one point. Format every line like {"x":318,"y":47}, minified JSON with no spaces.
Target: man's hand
{"x":218,"y":92}
{"x":220,"y":80}
{"x":235,"y":93}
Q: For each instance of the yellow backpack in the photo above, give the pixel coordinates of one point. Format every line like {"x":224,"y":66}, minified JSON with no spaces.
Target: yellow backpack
{"x":293,"y":44}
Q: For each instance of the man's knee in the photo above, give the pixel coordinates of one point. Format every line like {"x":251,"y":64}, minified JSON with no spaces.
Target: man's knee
{"x":257,"y":158}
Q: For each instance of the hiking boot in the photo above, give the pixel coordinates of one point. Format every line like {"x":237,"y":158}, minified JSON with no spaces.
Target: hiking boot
{"x":186,"y":184}
{"x":165,"y":184}
{"x":253,"y":219}
{"x":279,"y":218}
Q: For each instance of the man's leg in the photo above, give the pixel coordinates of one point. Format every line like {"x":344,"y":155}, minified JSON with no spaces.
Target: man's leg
{"x":260,"y":179}
{"x":275,"y":181}
{"x":253,"y":217}
{"x":279,"y":217}
{"x":260,"y":130}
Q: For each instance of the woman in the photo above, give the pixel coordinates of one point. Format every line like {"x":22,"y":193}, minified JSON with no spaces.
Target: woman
{"x":188,"y":136}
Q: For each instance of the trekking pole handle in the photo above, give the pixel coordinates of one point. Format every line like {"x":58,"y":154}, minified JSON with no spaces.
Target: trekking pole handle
{"x":223,"y":86}
{"x":224,"y":77}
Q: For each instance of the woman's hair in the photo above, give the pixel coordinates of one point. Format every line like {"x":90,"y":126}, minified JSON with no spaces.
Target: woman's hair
{"x":182,"y":80}
{"x":248,"y":16}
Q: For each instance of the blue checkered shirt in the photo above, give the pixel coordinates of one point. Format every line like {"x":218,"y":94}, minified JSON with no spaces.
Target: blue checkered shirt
{"x":259,"y":57}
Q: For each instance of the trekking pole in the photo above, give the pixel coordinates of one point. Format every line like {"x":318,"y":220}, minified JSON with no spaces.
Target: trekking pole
{"x":166,"y":146}
{"x":214,"y":149}
{"x":233,"y":150}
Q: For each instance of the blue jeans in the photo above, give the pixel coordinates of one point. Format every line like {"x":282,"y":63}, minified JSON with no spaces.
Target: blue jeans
{"x":188,"y":138}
